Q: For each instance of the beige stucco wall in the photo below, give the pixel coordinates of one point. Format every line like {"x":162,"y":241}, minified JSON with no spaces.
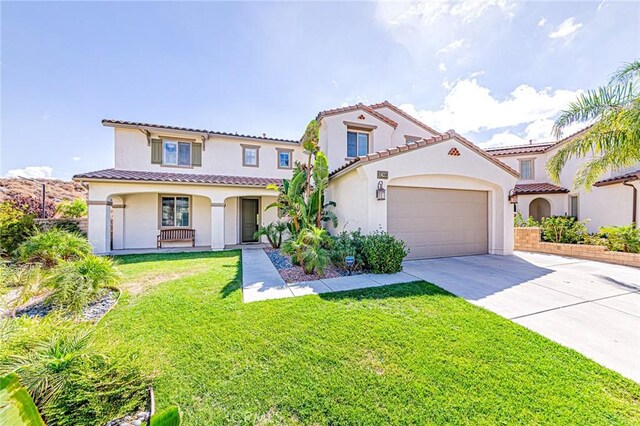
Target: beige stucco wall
{"x":357,"y":206}
{"x":221,"y":156}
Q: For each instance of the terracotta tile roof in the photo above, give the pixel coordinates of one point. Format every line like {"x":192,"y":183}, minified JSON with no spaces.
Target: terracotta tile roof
{"x":359,"y":106}
{"x":538,"y":188}
{"x":143,"y":176}
{"x":619,"y":179}
{"x":529,"y":149}
{"x":519,"y":149}
{"x":398,"y":111}
{"x":410,"y":146}
{"x":117,"y":123}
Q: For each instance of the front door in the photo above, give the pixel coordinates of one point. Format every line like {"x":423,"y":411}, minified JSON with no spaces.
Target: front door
{"x":249,"y":217}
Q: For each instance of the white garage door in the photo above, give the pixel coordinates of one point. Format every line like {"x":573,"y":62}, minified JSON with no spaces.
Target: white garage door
{"x":438,"y":222}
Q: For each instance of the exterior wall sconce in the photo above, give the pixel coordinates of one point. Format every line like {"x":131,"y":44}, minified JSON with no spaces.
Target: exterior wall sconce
{"x":381,"y":193}
{"x":513,"y":199}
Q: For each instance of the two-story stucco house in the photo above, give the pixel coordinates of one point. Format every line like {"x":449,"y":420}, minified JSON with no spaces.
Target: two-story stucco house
{"x":612,"y":201}
{"x":437,"y":191}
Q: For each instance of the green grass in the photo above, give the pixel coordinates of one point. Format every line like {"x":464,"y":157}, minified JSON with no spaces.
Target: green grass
{"x":409,"y":353}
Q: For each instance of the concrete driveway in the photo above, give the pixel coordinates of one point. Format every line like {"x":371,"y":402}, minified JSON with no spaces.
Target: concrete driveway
{"x":591,"y":307}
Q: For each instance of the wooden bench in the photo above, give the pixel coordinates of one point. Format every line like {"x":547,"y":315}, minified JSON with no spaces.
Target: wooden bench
{"x":167,"y":235}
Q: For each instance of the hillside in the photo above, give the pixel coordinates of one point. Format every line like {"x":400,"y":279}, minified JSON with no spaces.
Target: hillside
{"x":57,"y":190}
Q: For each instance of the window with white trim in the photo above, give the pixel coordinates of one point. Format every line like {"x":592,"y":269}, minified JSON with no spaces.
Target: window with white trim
{"x":176,"y":211}
{"x":526,"y":169}
{"x":357,"y":144}
{"x":176,"y":153}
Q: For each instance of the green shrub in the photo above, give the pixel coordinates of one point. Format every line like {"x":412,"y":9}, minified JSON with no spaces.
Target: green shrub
{"x":27,"y":278}
{"x":15,"y":227}
{"x":69,"y":225}
{"x":273,"y":232}
{"x":72,"y":384}
{"x":72,"y":209}
{"x":310,"y":249}
{"x":50,"y":247}
{"x":621,"y":238}
{"x":519,"y":222}
{"x":384,"y":253}
{"x":595,"y":240}
{"x":348,"y":244}
{"x":171,"y":416}
{"x":75,"y":283}
{"x":562,"y":229}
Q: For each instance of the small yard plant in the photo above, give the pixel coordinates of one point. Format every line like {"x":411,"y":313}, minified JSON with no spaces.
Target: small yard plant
{"x":53,"y":246}
{"x":562,"y":229}
{"x":383,"y":253}
{"x":621,"y":238}
{"x":16,"y":226}
{"x":72,"y":209}
{"x":273,"y":232}
{"x":348,"y":244}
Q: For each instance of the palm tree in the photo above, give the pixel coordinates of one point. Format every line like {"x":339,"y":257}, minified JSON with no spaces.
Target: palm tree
{"x":614,"y":137}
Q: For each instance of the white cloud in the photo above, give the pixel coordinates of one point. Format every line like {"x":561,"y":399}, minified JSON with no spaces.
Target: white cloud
{"x":538,"y":131}
{"x":568,"y":27}
{"x":442,"y":66}
{"x":602,"y":4}
{"x":542,"y":21}
{"x":76,"y":158}
{"x":46,"y":116}
{"x":454,"y":45}
{"x":32,"y":172}
{"x":470,"y":107}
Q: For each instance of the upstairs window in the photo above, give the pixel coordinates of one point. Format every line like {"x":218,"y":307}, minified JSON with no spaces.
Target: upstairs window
{"x":284,"y":158}
{"x":526,"y":169}
{"x":573,"y":206}
{"x":357,"y":144}
{"x":175,"y":212}
{"x":176,"y":153}
{"x":250,"y":156}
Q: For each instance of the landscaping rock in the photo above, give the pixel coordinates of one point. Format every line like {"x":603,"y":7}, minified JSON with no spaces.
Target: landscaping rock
{"x":92,"y":312}
{"x":278,"y":260}
{"x":291,"y":273}
{"x":130,"y":420}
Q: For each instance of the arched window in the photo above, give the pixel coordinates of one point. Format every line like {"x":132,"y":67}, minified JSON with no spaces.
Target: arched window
{"x":539,"y":208}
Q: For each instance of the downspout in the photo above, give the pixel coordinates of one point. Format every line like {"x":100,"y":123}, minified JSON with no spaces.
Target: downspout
{"x":634,"y":210}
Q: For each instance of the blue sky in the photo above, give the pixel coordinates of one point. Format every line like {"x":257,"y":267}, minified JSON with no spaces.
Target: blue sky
{"x":496,"y":71}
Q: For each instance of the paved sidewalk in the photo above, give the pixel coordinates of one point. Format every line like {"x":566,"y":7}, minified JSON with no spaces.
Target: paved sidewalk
{"x":261,"y":280}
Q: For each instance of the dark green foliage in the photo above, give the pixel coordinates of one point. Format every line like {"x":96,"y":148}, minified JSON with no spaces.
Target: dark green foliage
{"x":72,"y":209}
{"x":50,"y":247}
{"x":16,"y":406}
{"x":15,"y":227}
{"x":72,"y":383}
{"x":273,"y":232}
{"x":168,"y":417}
{"x":348,"y":244}
{"x":518,"y":221}
{"x":383,"y":253}
{"x":562,"y":229}
{"x":68,"y":225}
{"x":77,"y":282}
{"x":621,"y":238}
{"x":310,"y":248}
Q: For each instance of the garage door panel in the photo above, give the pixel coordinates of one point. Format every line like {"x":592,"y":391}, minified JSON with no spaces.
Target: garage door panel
{"x":439,"y":222}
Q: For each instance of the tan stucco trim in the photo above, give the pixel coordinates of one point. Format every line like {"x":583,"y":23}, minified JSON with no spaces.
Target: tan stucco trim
{"x":176,"y":138}
{"x":99,"y":203}
{"x":359,"y":126}
{"x":118,"y":206}
{"x":218,"y":204}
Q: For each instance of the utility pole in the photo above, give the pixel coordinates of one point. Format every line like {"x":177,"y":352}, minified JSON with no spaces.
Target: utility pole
{"x":44,"y":194}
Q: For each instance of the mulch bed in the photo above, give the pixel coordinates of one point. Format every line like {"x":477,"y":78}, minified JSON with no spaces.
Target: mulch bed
{"x":291,"y":273}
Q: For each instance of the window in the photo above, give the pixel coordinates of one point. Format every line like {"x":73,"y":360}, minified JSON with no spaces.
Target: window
{"x":357,"y":144}
{"x":176,"y":153}
{"x":250,"y":156}
{"x":573,"y":206}
{"x":175,"y":211}
{"x":284,"y":158}
{"x":526,"y":169}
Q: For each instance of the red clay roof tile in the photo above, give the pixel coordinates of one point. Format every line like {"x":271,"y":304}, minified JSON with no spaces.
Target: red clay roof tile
{"x":538,"y":188}
{"x":144,"y":176}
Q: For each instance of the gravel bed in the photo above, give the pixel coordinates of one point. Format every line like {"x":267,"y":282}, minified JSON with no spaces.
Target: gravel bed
{"x":291,"y":273}
{"x":92,"y":312}
{"x":133,"y":420}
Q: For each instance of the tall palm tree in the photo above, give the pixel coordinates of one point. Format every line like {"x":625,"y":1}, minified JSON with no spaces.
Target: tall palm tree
{"x":614,"y":137}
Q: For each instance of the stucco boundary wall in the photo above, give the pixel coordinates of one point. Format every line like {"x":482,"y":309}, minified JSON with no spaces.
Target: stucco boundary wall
{"x":529,"y":239}
{"x":46,"y":224}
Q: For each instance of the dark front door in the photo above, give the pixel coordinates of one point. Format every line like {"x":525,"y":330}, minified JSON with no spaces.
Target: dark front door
{"x":249,"y":213}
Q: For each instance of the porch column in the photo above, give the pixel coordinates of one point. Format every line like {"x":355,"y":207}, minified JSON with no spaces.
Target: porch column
{"x":99,"y":226}
{"x":118,"y":225}
{"x":217,"y":226}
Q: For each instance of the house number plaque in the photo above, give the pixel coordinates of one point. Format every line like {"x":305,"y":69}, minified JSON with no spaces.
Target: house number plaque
{"x":383,"y":174}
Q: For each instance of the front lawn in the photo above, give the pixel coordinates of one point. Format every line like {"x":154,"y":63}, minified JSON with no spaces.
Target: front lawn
{"x":409,"y":353}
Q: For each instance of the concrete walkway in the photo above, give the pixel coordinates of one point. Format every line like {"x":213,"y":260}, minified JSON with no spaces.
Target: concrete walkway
{"x":261,"y":280}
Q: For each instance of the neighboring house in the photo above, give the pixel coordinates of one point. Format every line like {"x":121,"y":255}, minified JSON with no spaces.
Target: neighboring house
{"x":437,"y":191}
{"x":610,"y":202}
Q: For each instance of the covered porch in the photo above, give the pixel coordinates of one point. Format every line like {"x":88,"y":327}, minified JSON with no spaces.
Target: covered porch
{"x":127,"y":218}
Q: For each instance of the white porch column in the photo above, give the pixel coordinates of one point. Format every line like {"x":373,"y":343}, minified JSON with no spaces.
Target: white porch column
{"x":118,"y":225}
{"x":99,"y":226}
{"x":217,"y":226}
